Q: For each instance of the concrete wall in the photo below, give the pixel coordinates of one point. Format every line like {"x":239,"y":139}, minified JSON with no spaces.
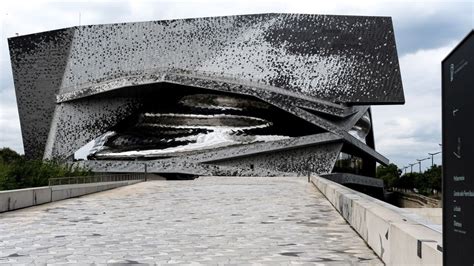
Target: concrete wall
{"x":21,"y":198}
{"x":434,"y":215}
{"x":396,"y":235}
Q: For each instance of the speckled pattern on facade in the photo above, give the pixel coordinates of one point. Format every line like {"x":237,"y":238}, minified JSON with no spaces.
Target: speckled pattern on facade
{"x":315,"y":67}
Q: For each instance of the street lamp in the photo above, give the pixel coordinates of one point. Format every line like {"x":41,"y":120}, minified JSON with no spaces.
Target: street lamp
{"x":432,"y":155}
{"x":411,"y":165}
{"x":421,"y":160}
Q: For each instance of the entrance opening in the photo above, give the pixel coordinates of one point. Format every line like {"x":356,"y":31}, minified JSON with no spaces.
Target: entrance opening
{"x":179,"y":120}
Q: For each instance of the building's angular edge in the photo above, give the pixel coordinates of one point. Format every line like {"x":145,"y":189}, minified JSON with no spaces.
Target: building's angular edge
{"x":38,"y":63}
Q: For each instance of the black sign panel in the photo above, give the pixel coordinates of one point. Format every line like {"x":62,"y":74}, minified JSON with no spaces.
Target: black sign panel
{"x":458,"y":154}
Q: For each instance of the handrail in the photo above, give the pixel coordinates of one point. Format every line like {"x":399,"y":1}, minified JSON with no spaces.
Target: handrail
{"x":57,"y":181}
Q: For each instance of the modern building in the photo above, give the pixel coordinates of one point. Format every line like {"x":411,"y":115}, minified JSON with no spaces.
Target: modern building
{"x":253,"y":95}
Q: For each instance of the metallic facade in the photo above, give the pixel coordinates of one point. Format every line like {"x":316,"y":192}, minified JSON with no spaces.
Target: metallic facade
{"x":194,"y":78}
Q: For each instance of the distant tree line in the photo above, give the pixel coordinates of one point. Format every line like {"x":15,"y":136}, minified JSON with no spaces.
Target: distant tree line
{"x":424,"y":183}
{"x":18,"y":172}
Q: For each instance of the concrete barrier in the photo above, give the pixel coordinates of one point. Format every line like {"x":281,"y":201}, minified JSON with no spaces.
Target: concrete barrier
{"x":21,"y":198}
{"x":396,"y":235}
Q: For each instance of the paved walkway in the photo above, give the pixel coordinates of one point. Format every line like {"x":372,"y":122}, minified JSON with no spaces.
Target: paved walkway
{"x":208,"y":221}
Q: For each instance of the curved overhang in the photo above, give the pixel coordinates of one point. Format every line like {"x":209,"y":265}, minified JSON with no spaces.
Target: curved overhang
{"x":203,"y":81}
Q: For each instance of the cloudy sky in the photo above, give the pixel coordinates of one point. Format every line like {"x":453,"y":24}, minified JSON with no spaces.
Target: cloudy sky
{"x":425,"y":32}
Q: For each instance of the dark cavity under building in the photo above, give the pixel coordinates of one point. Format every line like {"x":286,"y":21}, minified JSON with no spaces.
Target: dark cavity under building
{"x":253,"y":95}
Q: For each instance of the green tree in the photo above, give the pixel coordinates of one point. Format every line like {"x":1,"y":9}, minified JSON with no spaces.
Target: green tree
{"x":424,"y":182}
{"x":434,"y":177}
{"x":406,"y":181}
{"x":17,"y":172}
{"x":9,"y":156}
{"x":389,"y":174}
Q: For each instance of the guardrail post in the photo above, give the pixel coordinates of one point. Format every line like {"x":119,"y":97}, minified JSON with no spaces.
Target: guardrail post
{"x":145,"y":177}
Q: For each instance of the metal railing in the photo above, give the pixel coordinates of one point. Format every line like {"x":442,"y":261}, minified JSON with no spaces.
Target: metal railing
{"x":95,"y":179}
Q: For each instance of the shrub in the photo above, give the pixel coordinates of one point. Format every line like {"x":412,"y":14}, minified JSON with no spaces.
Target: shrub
{"x":17,"y":172}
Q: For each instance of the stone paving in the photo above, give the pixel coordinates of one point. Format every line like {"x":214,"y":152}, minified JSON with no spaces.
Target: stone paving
{"x":213,"y":220}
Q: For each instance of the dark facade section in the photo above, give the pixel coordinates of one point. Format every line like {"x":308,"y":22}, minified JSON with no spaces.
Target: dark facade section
{"x":38,"y":64}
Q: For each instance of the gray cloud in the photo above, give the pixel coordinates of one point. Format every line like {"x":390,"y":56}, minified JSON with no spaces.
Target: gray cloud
{"x":428,"y":25}
{"x":10,"y":133}
{"x":406,"y":133}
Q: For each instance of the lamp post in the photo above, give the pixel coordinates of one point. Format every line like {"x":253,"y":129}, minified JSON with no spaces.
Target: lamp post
{"x":411,"y":167}
{"x":145,"y":172}
{"x":421,"y":160}
{"x":432,"y":155}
